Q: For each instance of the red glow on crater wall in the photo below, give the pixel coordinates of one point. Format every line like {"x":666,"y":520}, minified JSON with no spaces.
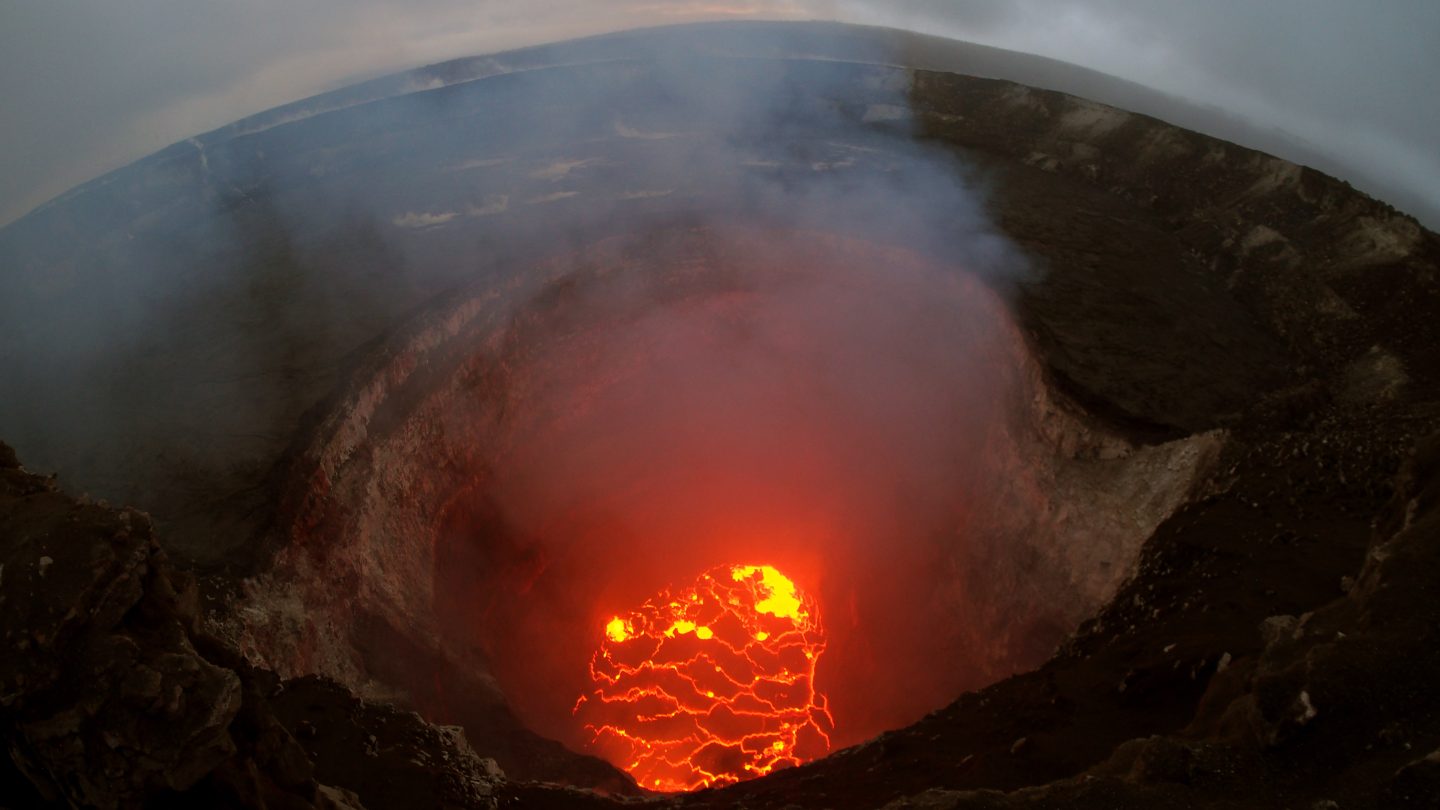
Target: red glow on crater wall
{"x":710,"y":684}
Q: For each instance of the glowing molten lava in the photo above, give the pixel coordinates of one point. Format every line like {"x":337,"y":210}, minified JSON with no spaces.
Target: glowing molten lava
{"x":712,"y":684}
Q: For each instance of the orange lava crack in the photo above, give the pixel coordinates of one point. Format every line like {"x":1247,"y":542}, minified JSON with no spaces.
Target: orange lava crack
{"x":710,"y":685}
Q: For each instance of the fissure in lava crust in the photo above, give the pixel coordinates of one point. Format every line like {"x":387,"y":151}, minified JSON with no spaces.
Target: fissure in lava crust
{"x":711,"y":684}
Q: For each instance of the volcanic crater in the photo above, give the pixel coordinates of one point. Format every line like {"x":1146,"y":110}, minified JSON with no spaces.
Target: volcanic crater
{"x":537,"y":478}
{"x":1097,"y":444}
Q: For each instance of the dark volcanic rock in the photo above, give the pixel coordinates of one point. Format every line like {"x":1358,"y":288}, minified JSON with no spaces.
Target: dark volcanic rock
{"x":105,"y":697}
{"x":111,"y":697}
{"x":420,"y":765}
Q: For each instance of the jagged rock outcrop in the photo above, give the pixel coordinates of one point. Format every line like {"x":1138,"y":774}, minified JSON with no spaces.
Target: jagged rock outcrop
{"x":112,"y":697}
{"x":105,"y":697}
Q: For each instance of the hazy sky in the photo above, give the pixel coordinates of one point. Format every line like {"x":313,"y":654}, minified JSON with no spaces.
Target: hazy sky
{"x":89,"y":85}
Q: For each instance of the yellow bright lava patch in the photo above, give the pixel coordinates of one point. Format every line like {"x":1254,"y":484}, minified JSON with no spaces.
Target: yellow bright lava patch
{"x":780,"y":597}
{"x":617,"y":630}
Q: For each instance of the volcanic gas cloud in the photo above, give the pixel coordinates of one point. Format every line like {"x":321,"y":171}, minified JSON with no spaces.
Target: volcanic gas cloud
{"x":712,"y":683}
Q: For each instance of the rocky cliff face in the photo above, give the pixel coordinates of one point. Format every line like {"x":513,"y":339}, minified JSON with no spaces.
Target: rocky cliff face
{"x":112,"y":697}
{"x":107,"y":699}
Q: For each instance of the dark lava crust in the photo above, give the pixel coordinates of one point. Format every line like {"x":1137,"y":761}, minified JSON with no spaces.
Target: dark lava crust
{"x":1276,"y":647}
